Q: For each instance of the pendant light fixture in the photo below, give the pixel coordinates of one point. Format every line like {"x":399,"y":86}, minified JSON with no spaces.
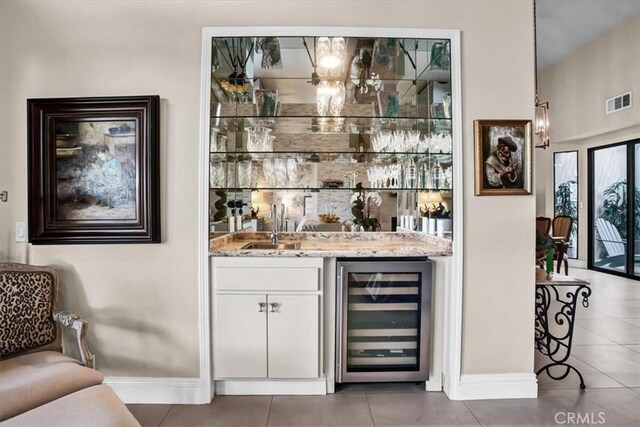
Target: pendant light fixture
{"x":330,"y":94}
{"x":331,"y":53}
{"x":541,"y":116}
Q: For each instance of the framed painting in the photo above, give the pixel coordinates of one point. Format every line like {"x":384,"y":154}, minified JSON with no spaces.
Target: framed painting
{"x":93,"y":167}
{"x":503,"y":157}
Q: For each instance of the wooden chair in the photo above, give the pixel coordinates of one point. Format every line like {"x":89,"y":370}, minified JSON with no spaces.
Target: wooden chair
{"x":543,"y":225}
{"x":561,"y":227}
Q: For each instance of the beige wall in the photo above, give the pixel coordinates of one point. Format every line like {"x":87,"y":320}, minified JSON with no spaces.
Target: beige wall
{"x":142,"y":299}
{"x":576,"y":89}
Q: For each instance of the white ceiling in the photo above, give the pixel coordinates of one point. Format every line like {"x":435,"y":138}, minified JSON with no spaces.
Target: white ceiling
{"x":564,"y":26}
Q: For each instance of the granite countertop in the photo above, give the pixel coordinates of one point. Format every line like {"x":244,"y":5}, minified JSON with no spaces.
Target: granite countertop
{"x":335,"y":244}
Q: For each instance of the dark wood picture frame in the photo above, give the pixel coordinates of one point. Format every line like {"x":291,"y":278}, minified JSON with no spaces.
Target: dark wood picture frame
{"x":514,"y":136}
{"x":93,"y":170}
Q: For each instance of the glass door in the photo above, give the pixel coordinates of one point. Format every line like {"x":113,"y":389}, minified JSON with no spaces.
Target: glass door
{"x":565,"y":193}
{"x":614,"y":203}
{"x":385,"y":321}
{"x":636,"y":211}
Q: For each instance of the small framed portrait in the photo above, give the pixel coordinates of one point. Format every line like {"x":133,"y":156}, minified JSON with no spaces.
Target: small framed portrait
{"x":94,"y":170}
{"x":503,"y":157}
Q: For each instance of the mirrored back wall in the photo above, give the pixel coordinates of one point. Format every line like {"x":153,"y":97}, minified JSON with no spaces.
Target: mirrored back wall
{"x":314,"y":123}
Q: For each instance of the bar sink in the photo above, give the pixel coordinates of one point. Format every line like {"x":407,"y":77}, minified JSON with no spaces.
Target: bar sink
{"x":267,"y":245}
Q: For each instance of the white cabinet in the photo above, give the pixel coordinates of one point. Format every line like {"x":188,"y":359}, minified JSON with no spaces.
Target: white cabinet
{"x":292,"y":331}
{"x":241,"y":336}
{"x":266,"y":322}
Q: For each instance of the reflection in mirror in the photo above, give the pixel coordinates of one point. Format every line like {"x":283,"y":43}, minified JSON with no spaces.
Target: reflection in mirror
{"x":300,"y":122}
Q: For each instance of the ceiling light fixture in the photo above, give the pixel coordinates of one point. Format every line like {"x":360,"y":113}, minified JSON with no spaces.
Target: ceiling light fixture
{"x":327,"y":60}
{"x":330,"y":54}
{"x":330,"y":97}
{"x":541,"y":116}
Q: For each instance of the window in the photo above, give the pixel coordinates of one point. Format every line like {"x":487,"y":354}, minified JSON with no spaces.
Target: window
{"x":565,"y":193}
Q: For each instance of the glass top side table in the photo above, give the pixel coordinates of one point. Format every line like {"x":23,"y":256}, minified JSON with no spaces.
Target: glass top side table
{"x":556,"y":302}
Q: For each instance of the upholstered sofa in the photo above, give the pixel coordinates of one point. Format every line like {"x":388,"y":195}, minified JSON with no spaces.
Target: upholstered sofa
{"x":39,"y":384}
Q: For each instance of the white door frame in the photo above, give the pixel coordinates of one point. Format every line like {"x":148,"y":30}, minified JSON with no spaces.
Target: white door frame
{"x":453,"y":295}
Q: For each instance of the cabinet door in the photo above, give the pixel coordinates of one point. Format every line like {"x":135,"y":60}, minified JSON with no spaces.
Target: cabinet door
{"x":293,"y":336}
{"x":240,"y":345}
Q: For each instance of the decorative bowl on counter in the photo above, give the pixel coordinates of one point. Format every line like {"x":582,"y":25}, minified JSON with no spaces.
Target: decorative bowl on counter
{"x":329,"y":218}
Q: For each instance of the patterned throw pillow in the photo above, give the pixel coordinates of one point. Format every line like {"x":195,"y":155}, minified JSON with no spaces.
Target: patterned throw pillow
{"x":26,"y":310}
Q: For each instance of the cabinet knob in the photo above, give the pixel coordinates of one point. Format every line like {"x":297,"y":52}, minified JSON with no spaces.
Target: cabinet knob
{"x":262,"y":306}
{"x":274,"y":306}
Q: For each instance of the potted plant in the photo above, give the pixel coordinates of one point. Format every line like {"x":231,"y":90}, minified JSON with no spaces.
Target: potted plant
{"x":544,"y":243}
{"x":361,"y":208}
{"x":614,"y":207}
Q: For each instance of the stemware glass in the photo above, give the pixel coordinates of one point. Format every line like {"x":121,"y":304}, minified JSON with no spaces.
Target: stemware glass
{"x":216,"y":175}
{"x":268,"y":169}
{"x":280,"y":170}
{"x":292,"y":172}
{"x":437,"y":175}
{"x":412,"y":140}
{"x":244,"y":174}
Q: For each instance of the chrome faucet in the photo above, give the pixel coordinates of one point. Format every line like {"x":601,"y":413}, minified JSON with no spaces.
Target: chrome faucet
{"x":274,"y":224}
{"x":282,"y":217}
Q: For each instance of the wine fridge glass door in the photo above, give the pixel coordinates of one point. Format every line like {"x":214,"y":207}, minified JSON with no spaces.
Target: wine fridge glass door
{"x":384,"y":327}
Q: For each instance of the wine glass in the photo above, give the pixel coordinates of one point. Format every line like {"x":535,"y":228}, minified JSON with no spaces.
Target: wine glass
{"x":292,"y":172}
{"x":280,"y":170}
{"x":268,"y":169}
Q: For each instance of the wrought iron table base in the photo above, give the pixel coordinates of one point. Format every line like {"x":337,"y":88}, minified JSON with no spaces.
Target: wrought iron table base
{"x":556,"y":343}
{"x":568,"y":369}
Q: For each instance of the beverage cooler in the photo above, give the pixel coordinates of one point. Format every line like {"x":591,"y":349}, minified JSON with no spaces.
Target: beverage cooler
{"x":383,"y":320}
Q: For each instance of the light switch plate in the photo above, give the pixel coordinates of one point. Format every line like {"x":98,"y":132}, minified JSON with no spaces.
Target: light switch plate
{"x":21,"y":232}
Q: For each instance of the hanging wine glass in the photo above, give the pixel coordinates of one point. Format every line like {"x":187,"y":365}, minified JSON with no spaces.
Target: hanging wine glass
{"x":292,"y":172}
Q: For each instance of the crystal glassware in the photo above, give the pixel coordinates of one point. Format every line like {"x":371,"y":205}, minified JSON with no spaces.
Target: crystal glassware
{"x":292,"y":172}
{"x":280,"y":171}
{"x":259,"y":139}
{"x":244,"y":174}
{"x":216,"y":175}
{"x":268,"y":168}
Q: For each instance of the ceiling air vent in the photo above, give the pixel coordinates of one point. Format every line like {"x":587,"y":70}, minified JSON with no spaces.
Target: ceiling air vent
{"x":618,"y":103}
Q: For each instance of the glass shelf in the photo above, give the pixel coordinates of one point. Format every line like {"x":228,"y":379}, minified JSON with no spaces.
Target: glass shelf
{"x":313,"y":126}
{"x":268,"y":120}
{"x":443,"y":191}
{"x":322,"y":156}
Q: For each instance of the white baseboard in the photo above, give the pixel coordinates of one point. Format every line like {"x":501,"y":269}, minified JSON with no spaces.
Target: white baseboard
{"x":577,"y":263}
{"x":272,"y":387}
{"x":158,"y":390}
{"x":498,"y":386}
{"x":434,"y":383}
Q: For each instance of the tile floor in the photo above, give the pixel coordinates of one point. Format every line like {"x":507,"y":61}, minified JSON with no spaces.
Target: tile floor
{"x":606,"y":350}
